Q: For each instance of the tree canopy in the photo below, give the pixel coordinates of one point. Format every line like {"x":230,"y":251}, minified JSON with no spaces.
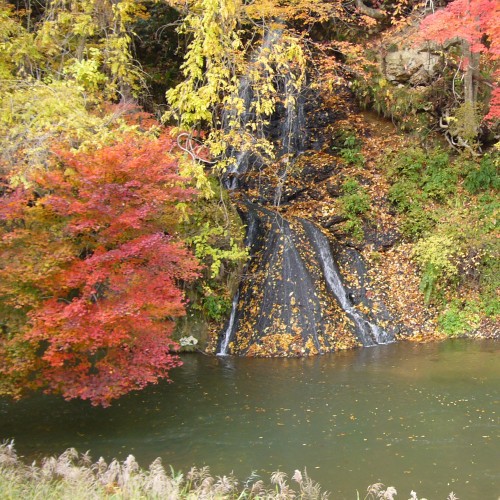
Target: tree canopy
{"x":476,"y":23}
{"x":90,"y":272}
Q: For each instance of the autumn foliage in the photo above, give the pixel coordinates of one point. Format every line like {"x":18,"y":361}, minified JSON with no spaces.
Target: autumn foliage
{"x":477,"y":23}
{"x":90,"y":273}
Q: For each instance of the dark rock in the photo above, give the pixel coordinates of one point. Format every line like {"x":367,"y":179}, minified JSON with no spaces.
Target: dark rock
{"x":292,"y":298}
{"x":380,"y":239}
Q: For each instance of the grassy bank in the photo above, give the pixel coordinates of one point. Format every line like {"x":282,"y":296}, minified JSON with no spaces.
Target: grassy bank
{"x":74,"y":476}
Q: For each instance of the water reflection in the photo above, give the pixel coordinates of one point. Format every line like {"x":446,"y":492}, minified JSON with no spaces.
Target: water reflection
{"x":421,"y":417}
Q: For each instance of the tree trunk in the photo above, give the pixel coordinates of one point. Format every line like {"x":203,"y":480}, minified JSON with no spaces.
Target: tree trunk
{"x":470,"y":88}
{"x":368,"y":11}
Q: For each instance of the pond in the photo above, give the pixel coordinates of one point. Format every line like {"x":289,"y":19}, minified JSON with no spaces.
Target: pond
{"x":422,"y":417}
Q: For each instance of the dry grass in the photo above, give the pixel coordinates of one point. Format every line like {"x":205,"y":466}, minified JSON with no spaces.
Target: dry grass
{"x":74,"y":476}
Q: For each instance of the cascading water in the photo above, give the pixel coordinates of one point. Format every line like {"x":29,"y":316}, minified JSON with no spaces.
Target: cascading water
{"x":252,"y":222}
{"x":291,"y":129}
{"x":292,"y":137}
{"x":228,"y":332}
{"x":279,"y":296}
{"x":369,"y":333}
{"x":292,"y":299}
{"x":241,"y":159}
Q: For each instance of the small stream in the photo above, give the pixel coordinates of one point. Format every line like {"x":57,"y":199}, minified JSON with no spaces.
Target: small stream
{"x":421,"y":417}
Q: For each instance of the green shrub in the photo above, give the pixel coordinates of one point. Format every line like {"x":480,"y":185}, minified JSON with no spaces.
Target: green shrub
{"x":489,"y":277}
{"x":431,"y":276}
{"x":436,"y":256}
{"x":355,"y":201}
{"x":439,"y":180}
{"x":417,"y":221}
{"x":216,"y":307}
{"x":351,"y":186}
{"x":401,"y":194}
{"x":458,"y":248}
{"x":459,"y":319}
{"x":408,"y":164}
{"x":355,"y":228}
{"x":491,"y":306}
{"x":350,"y":150}
{"x":420,"y":176}
{"x":483,"y":176}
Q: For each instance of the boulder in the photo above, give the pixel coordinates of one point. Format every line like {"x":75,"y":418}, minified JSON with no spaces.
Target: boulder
{"x":412,"y":66}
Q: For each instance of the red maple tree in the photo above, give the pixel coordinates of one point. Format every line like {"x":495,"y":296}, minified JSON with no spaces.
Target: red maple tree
{"x":477,"y":24}
{"x":90,"y":273}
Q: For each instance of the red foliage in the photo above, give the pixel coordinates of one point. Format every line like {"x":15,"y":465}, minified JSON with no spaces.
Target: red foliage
{"x":94,"y":265}
{"x":494,"y":112}
{"x":478,"y":23}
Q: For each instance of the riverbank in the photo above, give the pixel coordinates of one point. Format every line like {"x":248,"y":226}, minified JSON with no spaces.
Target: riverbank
{"x":73,"y":475}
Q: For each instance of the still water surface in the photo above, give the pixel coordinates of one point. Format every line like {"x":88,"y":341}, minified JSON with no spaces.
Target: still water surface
{"x":422,"y":417}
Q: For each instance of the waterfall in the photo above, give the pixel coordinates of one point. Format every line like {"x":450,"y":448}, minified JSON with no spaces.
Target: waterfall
{"x":228,"y":332}
{"x":291,"y":131}
{"x":240,"y":159}
{"x":291,"y":300}
{"x":292,"y":116}
{"x":252,"y":228}
{"x":292,"y":137}
{"x":369,"y":333}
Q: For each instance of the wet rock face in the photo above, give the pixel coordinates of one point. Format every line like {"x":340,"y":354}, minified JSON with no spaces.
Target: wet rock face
{"x":283,"y":182}
{"x":411,"y":66}
{"x":362,"y":292}
{"x":292,"y":300}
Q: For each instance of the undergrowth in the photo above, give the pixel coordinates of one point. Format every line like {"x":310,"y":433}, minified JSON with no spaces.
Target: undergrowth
{"x":350,"y":151}
{"x":355,"y":202}
{"x":449,"y":208}
{"x":406,"y":107}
